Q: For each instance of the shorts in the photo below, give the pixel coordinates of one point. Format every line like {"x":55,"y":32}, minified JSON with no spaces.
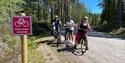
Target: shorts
{"x":68,"y":30}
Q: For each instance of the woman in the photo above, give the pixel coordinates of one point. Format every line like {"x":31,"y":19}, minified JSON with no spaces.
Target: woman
{"x":83,"y":27}
{"x":69,"y":28}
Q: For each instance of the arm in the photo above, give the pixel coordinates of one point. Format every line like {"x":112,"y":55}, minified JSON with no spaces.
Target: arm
{"x":78,"y":25}
{"x":89,"y":27}
{"x":60,"y":23}
{"x":73,"y":23}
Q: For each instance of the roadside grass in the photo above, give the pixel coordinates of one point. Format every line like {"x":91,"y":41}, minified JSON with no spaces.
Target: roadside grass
{"x":118,"y":32}
{"x":39,"y":30}
{"x":34,"y":56}
{"x":10,"y":51}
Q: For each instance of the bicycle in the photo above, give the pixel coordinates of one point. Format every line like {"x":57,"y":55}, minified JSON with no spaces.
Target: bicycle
{"x":83,"y":44}
{"x":57,"y":36}
{"x":67,"y":40}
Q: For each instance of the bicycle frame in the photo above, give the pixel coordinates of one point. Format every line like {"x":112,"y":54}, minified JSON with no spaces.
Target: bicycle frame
{"x":82,"y":43}
{"x":57,"y":36}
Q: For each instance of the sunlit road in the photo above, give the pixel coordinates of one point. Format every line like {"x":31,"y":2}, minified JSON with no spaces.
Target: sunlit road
{"x":103,"y":49}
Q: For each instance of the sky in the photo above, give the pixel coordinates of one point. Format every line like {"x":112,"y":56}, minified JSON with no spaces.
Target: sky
{"x":92,"y":5}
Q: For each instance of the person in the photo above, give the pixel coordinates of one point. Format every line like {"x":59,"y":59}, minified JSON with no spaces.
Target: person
{"x":23,"y":14}
{"x":83,"y":28}
{"x":56,"y":23}
{"x":69,"y":28}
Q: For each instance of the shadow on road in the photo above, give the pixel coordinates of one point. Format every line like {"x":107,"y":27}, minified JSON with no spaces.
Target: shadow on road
{"x":42,"y":42}
{"x":54,"y":43}
{"x":66,"y":49}
{"x":78,"y":53}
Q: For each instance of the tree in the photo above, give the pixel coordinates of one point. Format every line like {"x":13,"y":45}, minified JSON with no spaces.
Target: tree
{"x":8,"y":9}
{"x":119,"y":12}
{"x":108,"y":16}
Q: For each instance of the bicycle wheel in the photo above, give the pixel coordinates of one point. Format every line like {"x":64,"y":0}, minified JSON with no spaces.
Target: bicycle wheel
{"x":83,"y":46}
{"x":78,"y":48}
{"x":58,"y":40}
{"x":76,"y":43}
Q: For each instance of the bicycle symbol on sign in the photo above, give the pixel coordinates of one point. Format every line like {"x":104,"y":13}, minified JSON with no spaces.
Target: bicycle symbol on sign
{"x":22,"y":22}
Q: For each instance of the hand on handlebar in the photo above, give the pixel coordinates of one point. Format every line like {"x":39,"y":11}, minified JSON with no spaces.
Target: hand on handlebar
{"x":90,"y":30}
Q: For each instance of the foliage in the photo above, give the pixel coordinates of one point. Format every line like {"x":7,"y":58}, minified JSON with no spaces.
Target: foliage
{"x":78,"y":11}
{"x":112,"y":16}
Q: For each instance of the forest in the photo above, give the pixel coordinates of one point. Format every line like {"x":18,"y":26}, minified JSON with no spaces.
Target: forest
{"x":42,"y":12}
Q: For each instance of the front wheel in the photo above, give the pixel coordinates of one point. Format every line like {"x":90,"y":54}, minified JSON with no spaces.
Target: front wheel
{"x":76,"y":43}
{"x":83,"y":46}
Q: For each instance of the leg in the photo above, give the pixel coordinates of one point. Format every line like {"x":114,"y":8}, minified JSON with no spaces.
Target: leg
{"x":77,"y":39}
{"x":58,"y":36}
{"x":86,"y":41}
{"x":69,"y":35}
{"x":72,"y":36}
{"x":66,"y":35}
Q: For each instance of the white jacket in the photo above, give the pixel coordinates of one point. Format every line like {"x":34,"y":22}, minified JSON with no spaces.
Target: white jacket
{"x":70,"y":24}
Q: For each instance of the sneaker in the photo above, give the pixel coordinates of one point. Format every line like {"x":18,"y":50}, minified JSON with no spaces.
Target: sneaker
{"x":87,"y":48}
{"x":74,"y":47}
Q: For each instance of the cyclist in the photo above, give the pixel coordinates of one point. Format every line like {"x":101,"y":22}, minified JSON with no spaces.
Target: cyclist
{"x":69,"y":28}
{"x":83,"y":27}
{"x":23,"y":14}
{"x":56,"y":23}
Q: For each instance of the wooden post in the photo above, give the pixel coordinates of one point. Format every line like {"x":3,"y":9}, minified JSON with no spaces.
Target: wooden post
{"x":24,"y":48}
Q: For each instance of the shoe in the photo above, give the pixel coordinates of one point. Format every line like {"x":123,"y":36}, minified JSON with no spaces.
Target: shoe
{"x":87,"y":48}
{"x":74,"y":47}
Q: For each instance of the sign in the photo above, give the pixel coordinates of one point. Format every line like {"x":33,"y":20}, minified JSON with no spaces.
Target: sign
{"x":22,"y":25}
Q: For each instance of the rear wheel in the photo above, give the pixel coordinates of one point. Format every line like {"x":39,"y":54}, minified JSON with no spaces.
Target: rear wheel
{"x":58,"y":40}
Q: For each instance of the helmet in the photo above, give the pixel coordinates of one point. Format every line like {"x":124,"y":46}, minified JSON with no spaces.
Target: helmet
{"x":23,"y":14}
{"x":56,"y":16}
{"x":85,"y":17}
{"x":69,"y":17}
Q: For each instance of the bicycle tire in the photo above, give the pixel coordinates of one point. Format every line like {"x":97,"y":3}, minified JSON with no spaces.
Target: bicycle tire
{"x":83,"y":46}
{"x":58,"y":40}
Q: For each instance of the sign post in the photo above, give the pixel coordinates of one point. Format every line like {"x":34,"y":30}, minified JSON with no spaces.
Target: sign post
{"x":21,"y":25}
{"x":24,"y":48}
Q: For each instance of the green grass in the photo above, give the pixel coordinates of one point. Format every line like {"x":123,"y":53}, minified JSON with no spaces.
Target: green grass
{"x":118,"y":32}
{"x":34,"y":56}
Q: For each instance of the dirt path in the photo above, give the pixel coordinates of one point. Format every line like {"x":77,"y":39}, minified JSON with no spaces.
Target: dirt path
{"x":102,"y":49}
{"x":50,"y":53}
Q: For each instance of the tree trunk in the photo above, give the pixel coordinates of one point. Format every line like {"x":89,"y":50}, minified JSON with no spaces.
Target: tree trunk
{"x":119,"y":12}
{"x":38,"y":10}
{"x":61,"y":10}
{"x":52,"y":12}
